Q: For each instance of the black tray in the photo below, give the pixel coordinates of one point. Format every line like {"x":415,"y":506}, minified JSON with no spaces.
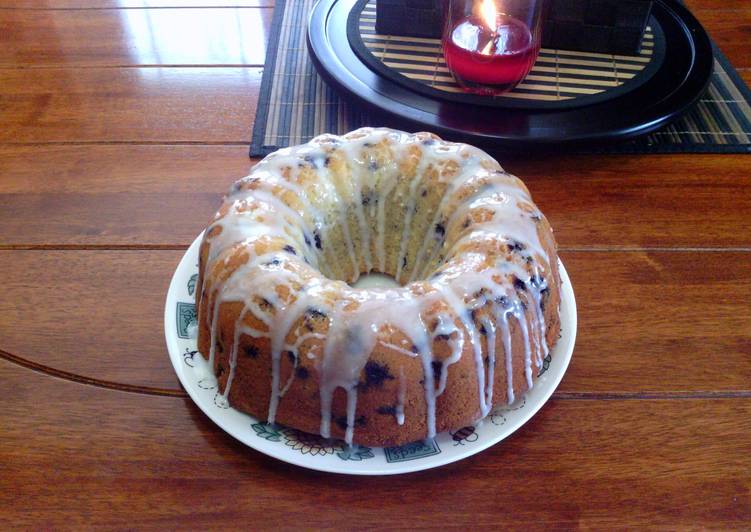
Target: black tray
{"x":375,"y":64}
{"x":678,"y":83}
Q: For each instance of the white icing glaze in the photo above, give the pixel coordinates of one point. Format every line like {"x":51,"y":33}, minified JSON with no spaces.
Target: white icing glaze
{"x":280,"y":288}
{"x":204,"y":372}
{"x":506,"y":338}
{"x":489,"y":327}
{"x":399,"y":413}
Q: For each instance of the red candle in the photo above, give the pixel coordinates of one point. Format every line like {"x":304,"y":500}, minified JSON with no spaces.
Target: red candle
{"x":490,"y":51}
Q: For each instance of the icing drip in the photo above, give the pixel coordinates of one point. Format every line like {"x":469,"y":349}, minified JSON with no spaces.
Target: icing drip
{"x":446,"y":328}
{"x":400,"y":398}
{"x":238,"y":288}
{"x":460,"y":309}
{"x":469,"y":304}
{"x":351,"y":406}
{"x":537,"y":290}
{"x":522,"y":319}
{"x":192,"y":330}
{"x":279,"y":331}
{"x":353,"y":334}
{"x":233,"y":354}
{"x":214,"y":325}
{"x":506,"y":338}
{"x":489,"y":328}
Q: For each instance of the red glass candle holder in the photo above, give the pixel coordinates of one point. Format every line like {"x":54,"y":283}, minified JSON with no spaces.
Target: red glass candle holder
{"x":491,"y":45}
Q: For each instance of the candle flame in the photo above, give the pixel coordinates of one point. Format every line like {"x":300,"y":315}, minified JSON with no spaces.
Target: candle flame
{"x":489,"y":14}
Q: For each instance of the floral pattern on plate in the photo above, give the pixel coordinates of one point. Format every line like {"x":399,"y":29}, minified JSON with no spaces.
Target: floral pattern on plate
{"x":310,"y":443}
{"x":315,"y":452}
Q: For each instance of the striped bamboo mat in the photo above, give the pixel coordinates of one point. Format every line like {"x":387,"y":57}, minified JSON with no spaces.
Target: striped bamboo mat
{"x":295,"y":104}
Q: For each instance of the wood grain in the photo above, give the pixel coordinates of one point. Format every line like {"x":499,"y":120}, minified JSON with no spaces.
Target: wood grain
{"x":46,"y":31}
{"x":113,"y":195}
{"x":95,"y":193}
{"x":656,"y":321}
{"x":127,"y":37}
{"x":95,"y":314}
{"x":730,"y":30}
{"x":649,"y":322}
{"x":585,"y":464}
{"x":39,"y":36}
{"x":591,"y":201}
{"x":714,"y":5}
{"x":128,"y":105}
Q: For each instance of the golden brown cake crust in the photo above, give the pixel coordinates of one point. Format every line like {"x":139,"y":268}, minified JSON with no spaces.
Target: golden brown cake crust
{"x":286,"y":334}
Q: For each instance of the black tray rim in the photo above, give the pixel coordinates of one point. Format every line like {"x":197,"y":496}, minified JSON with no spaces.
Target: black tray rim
{"x":400,"y":108}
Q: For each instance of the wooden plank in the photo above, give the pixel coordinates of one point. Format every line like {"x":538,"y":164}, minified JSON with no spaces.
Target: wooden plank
{"x":128,"y":104}
{"x":720,"y":18}
{"x":95,"y":314}
{"x":726,"y":5}
{"x":95,"y":192}
{"x":122,"y":195}
{"x":661,"y":321}
{"x":35,"y":38}
{"x":80,"y":456}
{"x":166,"y":45}
{"x":591,"y":201}
{"x":669,"y":322}
{"x":730,"y":30}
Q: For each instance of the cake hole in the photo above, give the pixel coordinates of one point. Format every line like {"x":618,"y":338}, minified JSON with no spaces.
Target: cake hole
{"x":375,"y":280}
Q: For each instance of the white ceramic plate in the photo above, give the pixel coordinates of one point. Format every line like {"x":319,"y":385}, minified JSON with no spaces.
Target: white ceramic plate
{"x":334,"y":456}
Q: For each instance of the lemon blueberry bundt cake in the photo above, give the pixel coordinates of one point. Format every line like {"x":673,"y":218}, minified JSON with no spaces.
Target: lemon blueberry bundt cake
{"x":472,"y":315}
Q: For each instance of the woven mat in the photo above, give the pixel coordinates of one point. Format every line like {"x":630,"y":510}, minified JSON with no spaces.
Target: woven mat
{"x":295,"y":104}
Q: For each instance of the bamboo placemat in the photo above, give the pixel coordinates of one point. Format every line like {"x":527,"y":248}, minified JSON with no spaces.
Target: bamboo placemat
{"x":296,"y":105}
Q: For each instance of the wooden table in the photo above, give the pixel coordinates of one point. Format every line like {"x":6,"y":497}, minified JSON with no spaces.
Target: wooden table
{"x":120,"y":128}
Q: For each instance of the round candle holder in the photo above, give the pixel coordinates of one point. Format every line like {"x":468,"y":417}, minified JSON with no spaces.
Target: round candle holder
{"x":491,"y":45}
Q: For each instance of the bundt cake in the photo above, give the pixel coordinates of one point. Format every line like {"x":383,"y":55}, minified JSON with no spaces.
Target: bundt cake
{"x":467,"y":325}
